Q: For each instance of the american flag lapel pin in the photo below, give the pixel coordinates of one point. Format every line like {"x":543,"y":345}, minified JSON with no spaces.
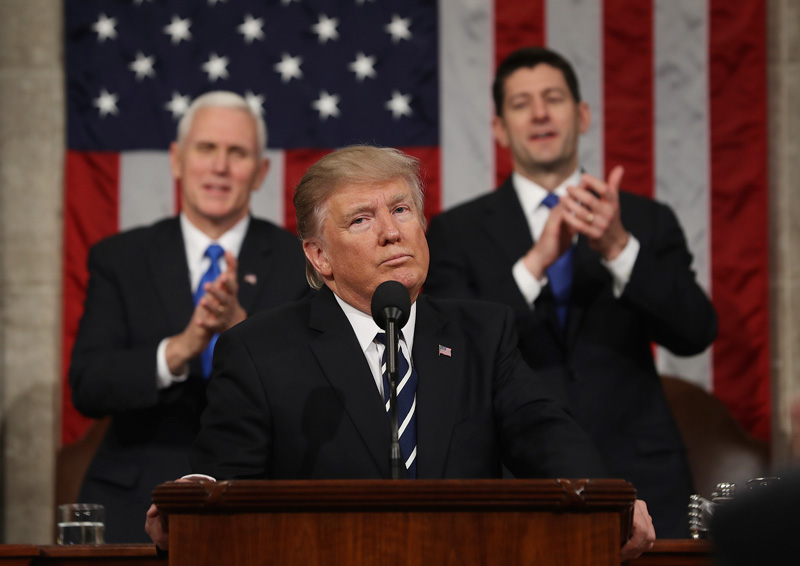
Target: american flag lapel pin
{"x":250,"y":278}
{"x":445,"y":351}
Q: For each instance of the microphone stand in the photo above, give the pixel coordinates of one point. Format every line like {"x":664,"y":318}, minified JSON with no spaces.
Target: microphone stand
{"x":392,"y":371}
{"x":390,"y":307}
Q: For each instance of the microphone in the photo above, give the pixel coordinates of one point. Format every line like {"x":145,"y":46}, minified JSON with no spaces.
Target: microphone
{"x":391,"y":305}
{"x":391,"y":301}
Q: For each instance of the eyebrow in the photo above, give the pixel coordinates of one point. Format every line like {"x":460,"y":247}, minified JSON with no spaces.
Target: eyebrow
{"x":397,"y":198}
{"x":216,"y":143}
{"x":546,"y":91}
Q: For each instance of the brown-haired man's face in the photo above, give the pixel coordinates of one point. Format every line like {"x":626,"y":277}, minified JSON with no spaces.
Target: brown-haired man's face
{"x":541,"y":121}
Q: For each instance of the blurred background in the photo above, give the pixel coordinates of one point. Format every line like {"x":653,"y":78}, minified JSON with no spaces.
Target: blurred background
{"x":696,"y":98}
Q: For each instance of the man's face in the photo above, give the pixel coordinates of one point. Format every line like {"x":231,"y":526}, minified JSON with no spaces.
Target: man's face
{"x":370,"y":234}
{"x":218,"y":165}
{"x":541,"y":121}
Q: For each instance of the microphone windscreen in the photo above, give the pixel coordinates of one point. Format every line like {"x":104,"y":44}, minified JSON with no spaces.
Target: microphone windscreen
{"x":391,"y":298}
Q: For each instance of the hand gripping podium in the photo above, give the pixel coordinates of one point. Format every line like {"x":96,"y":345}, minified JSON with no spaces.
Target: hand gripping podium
{"x":400,"y":522}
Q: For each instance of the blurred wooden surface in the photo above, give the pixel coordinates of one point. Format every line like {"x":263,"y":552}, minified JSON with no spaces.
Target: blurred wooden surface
{"x":665,"y":553}
{"x":718,"y":448}
{"x":81,"y":555}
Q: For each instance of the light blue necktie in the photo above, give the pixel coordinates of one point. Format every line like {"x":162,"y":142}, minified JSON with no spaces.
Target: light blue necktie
{"x":560,"y":272}
{"x":214,"y":252}
{"x":406,"y":405}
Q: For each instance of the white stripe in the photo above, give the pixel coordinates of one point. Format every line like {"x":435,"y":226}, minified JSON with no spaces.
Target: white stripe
{"x":412,"y":457}
{"x":267,"y":201}
{"x":682,"y":167}
{"x":146,"y":188}
{"x":466,"y":64}
{"x":574,"y":29}
{"x":408,"y":418}
{"x":403,"y":382}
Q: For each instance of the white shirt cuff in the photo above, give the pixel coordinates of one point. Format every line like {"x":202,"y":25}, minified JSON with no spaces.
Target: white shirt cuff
{"x":164,"y":377}
{"x":198,"y":477}
{"x":528,"y":285}
{"x":621,"y":266}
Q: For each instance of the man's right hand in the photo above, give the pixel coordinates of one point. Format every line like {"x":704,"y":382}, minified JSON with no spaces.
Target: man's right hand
{"x":556,"y":238}
{"x":188,"y":344}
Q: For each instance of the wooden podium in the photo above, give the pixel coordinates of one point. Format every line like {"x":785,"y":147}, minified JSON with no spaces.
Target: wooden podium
{"x":411,"y":522}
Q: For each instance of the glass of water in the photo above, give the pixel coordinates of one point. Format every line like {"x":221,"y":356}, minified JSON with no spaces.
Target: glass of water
{"x":81,"y":523}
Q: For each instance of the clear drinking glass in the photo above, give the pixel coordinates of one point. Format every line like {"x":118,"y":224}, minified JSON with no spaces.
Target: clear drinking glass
{"x":81,"y":523}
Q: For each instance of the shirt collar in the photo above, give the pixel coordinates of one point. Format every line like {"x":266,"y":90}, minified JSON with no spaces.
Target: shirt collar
{"x":366,"y":329}
{"x":532,"y":194}
{"x":196,"y":241}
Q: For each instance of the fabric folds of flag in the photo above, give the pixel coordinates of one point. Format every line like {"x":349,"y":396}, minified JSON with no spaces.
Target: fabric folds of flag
{"x":677,"y":90}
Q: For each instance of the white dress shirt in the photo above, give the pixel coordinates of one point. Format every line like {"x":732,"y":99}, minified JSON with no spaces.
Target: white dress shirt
{"x":366,"y":329}
{"x":530,"y":196}
{"x":195,"y":244}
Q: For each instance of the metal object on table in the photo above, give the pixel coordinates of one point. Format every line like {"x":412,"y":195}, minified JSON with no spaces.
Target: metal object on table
{"x":701,"y":509}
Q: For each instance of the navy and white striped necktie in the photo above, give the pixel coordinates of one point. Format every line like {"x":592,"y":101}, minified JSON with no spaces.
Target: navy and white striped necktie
{"x":406,"y":404}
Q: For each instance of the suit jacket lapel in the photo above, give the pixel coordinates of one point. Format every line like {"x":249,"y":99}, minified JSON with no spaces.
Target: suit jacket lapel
{"x":505,"y":223}
{"x":438,"y":389}
{"x":345,"y":367}
{"x":170,"y":274}
{"x":253,"y":269}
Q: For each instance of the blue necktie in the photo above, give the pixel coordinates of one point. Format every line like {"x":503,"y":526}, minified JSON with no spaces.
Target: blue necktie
{"x":214,"y":252}
{"x":560,"y":272}
{"x":406,"y":405}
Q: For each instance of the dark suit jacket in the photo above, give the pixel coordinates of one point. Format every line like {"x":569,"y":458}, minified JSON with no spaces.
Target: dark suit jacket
{"x":292,"y":396}
{"x":601,"y":365}
{"x":758,"y":525}
{"x":139,"y":293}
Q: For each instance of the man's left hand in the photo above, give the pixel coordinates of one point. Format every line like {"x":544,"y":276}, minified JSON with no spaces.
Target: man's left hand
{"x":594,"y":212}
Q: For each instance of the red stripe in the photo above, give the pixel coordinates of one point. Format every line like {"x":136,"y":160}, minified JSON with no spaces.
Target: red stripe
{"x":628,"y":92}
{"x":431,"y":176}
{"x":739,"y":209}
{"x":296,"y":163}
{"x":91,"y":206}
{"x":516,"y":24}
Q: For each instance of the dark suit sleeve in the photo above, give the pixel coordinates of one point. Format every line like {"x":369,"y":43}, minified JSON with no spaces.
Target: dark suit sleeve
{"x":673,"y":307}
{"x":540,"y":437}
{"x":235,"y":435}
{"x":108,"y":365}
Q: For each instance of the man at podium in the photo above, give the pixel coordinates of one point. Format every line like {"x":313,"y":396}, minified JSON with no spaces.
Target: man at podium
{"x":299,"y":392}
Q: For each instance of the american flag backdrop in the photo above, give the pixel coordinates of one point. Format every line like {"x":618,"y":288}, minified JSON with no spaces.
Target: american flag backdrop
{"x":677,"y":90}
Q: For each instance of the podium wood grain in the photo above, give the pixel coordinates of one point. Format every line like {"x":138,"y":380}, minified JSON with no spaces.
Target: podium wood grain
{"x":442,"y":522}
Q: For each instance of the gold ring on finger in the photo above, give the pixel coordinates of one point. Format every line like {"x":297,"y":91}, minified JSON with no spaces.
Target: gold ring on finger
{"x":589,"y":218}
